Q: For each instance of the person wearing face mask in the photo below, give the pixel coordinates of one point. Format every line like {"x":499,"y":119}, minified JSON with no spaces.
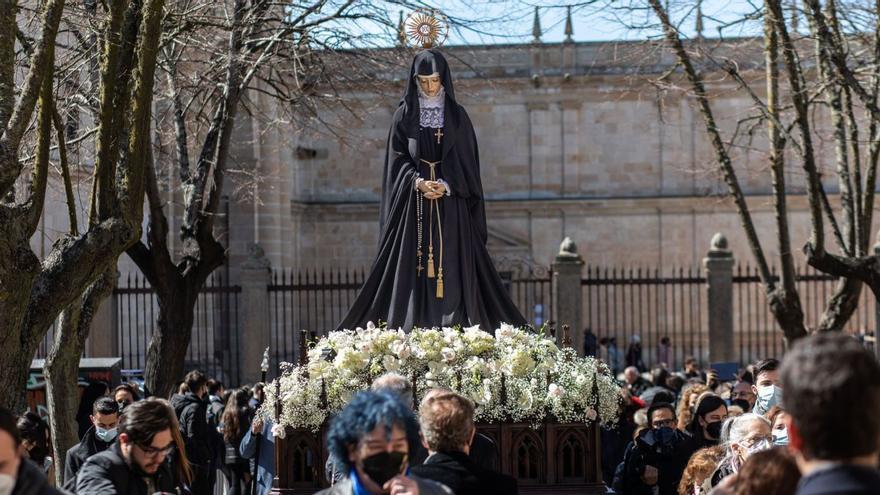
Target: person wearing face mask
{"x":125,"y":394}
{"x":447,"y":422}
{"x":832,"y":387}
{"x":137,"y":463}
{"x":102,"y":434}
{"x":742,"y":395}
{"x":370,"y":440}
{"x":655,"y":461}
{"x":778,"y":418}
{"x":745,"y":435}
{"x":35,"y":442}
{"x":767,"y":388}
{"x":18,"y":475}
{"x":705,"y":427}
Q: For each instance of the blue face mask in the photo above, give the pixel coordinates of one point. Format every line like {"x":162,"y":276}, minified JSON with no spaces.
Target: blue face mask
{"x":768,"y":396}
{"x":780,"y":437}
{"x":105,"y":435}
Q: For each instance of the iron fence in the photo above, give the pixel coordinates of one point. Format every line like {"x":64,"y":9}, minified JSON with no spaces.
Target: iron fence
{"x":756,"y":333}
{"x":214,"y":344}
{"x":308,"y":300}
{"x":317,"y":300}
{"x":624,"y":305}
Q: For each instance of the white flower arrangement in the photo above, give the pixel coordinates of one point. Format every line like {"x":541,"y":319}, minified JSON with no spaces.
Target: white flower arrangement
{"x":516,"y":375}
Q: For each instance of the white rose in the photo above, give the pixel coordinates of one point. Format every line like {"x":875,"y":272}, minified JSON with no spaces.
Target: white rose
{"x":555,"y":390}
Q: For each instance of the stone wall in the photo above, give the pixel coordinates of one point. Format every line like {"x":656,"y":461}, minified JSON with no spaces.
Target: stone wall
{"x":590,"y":150}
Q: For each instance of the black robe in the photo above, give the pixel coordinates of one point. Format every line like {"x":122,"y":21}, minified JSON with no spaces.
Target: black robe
{"x":395,"y":291}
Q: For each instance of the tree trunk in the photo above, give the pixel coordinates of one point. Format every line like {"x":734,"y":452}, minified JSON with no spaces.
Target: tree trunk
{"x":62,"y":368}
{"x":14,"y":369}
{"x":841,"y":306}
{"x":170,"y":341}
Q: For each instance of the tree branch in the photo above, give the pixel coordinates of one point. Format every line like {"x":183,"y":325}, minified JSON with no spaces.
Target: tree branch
{"x":40,"y":67}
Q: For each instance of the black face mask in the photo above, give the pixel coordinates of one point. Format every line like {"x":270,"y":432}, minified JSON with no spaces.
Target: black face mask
{"x":383,"y":466}
{"x":714,"y":429}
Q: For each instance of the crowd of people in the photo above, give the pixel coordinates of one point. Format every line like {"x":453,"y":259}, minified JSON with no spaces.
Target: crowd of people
{"x":684,"y":432}
{"x":689,"y":433}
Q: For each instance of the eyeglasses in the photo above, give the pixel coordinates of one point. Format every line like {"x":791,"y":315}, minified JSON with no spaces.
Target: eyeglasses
{"x":154,"y":452}
{"x":664,"y":423}
{"x":741,"y":395}
{"x":748,"y":442}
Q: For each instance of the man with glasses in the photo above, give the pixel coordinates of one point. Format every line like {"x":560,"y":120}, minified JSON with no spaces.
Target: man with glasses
{"x":742,"y":394}
{"x":137,"y":463}
{"x":655,"y":460}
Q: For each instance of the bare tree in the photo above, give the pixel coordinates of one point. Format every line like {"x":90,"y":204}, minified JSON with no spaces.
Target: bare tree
{"x":76,"y":274}
{"x":216,"y":56}
{"x":787,"y":105}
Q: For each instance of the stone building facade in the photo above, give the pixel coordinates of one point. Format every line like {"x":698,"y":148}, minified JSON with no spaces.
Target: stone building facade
{"x":574,"y":140}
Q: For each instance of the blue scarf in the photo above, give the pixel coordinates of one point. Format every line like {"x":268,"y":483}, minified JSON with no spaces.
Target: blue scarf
{"x":359,"y":488}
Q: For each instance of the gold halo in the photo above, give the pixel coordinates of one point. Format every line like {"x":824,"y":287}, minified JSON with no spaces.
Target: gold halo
{"x":426,"y":28}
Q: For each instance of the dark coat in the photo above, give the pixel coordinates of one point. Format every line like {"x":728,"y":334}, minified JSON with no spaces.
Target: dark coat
{"x":426,"y":487}
{"x":192,"y":414}
{"x":30,"y":480}
{"x":203,"y":442}
{"x":670,"y":456}
{"x":107,"y":473}
{"x":841,"y":480}
{"x":77,"y":455}
{"x":463,"y":476}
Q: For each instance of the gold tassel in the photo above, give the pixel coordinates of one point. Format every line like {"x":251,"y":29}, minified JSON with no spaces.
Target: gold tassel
{"x":431,"y":262}
{"x":440,"y":284}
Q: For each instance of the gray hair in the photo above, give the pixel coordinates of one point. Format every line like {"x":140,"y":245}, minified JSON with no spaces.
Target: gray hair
{"x":735,"y":429}
{"x":397,"y":384}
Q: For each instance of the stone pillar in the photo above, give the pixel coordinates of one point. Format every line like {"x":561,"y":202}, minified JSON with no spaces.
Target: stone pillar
{"x":567,"y":302}
{"x":255,"y":329}
{"x":718,"y":264}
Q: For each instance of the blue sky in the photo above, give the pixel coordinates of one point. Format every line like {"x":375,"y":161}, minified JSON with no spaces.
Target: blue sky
{"x":500,"y":21}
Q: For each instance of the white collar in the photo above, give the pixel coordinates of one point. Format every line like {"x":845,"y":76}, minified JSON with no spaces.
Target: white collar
{"x":436,"y":101}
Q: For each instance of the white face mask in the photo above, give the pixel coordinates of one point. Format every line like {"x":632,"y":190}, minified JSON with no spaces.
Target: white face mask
{"x":780,"y":437}
{"x":768,"y":396}
{"x":758,"y":447}
{"x":105,"y":435}
{"x":7,"y":484}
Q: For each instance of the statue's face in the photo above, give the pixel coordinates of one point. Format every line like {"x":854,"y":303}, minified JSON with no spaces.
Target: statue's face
{"x":430,"y":84}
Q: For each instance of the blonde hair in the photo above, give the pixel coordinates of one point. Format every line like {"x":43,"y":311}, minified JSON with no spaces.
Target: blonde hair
{"x":700,"y":467}
{"x":447,"y":421}
{"x":684,"y":412}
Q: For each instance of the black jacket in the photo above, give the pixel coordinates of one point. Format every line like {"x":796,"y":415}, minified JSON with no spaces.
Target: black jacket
{"x":197,"y":433}
{"x":841,"y":480}
{"x":669,"y":455}
{"x":30,"y":480}
{"x":463,"y":476}
{"x":77,"y":455}
{"x":107,"y":473}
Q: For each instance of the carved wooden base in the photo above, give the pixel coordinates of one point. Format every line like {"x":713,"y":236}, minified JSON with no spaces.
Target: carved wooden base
{"x":555,"y":458}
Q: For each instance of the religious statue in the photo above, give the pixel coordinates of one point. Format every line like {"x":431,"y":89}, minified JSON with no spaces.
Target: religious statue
{"x":433,"y":268}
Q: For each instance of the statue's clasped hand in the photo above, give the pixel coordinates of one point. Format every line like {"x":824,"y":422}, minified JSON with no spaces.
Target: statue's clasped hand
{"x":432,"y":189}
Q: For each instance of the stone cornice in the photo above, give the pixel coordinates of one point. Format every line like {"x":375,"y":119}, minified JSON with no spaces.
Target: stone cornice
{"x":369,"y":211}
